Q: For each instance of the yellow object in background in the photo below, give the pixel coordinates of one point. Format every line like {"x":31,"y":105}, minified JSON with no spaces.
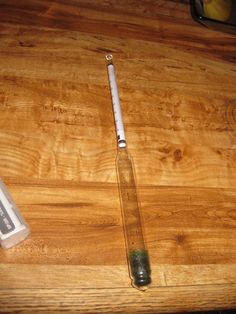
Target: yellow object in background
{"x":217,"y":9}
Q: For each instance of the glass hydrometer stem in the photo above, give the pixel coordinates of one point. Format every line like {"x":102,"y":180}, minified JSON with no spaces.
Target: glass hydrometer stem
{"x":137,"y":255}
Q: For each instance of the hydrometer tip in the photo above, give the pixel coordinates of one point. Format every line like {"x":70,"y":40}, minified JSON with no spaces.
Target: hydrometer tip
{"x":140,"y":268}
{"x":109,"y":59}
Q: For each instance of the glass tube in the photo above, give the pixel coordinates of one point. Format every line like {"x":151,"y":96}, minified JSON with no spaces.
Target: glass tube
{"x":137,"y":255}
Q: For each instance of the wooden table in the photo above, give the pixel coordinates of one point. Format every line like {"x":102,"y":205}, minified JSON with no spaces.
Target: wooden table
{"x":57,"y":155}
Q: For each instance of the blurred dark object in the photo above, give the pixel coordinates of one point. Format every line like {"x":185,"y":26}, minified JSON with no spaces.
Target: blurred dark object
{"x":217,"y":14}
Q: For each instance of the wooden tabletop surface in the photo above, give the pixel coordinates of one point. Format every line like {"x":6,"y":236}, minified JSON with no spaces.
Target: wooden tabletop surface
{"x":57,"y":155}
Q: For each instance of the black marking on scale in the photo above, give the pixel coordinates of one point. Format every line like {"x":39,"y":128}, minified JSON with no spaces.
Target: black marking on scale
{"x":121,"y":141}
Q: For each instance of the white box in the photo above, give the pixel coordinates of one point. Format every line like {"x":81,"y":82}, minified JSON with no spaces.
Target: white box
{"x":13,"y":228}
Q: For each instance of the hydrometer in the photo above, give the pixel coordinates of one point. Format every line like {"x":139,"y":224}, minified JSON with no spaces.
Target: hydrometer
{"x":137,"y":254}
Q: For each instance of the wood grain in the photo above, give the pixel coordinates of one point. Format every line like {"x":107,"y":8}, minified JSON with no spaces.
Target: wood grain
{"x":57,"y":155}
{"x":183,"y":225}
{"x":72,"y":120}
{"x":117,"y":300}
